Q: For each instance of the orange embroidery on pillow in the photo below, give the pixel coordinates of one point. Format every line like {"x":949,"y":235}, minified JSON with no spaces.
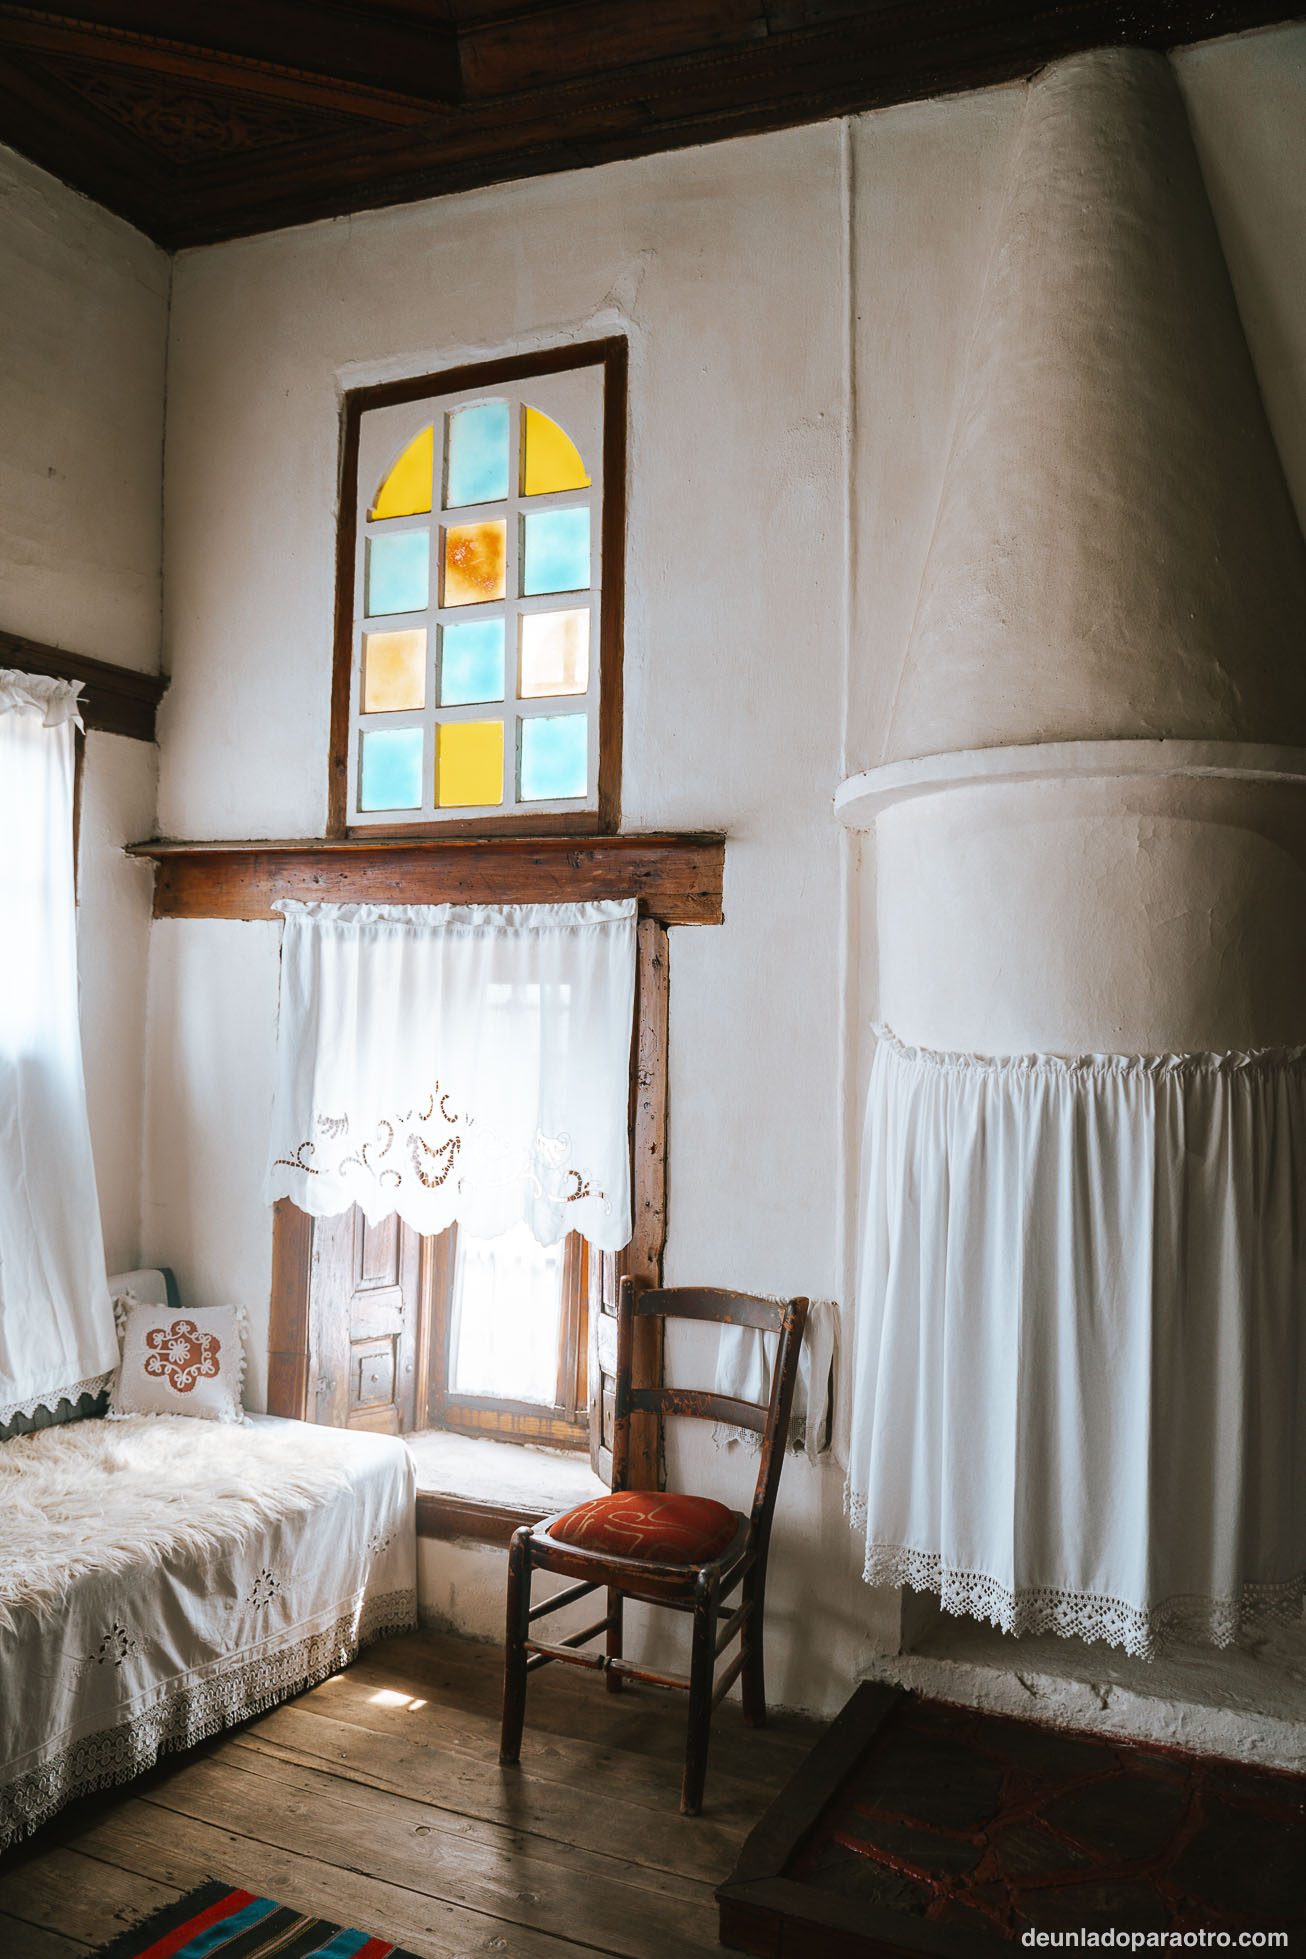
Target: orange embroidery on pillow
{"x":182,"y":1354}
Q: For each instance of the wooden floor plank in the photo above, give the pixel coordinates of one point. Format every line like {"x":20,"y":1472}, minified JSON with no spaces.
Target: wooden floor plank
{"x":583,"y":1764}
{"x":420,"y":1763}
{"x":649,"y":1721}
{"x":355,"y":1803}
{"x":22,"y":1941}
{"x":518,"y":1878}
{"x":130,"y":1836}
{"x":65,"y":1891}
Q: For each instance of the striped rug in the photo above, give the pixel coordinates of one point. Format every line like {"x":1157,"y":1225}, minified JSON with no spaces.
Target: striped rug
{"x":216,"y":1922}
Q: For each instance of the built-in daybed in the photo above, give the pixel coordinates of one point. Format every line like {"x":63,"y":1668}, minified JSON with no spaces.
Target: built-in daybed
{"x":163,"y":1577}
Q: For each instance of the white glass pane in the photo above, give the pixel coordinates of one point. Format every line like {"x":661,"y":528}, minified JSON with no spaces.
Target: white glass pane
{"x":507,"y":1299}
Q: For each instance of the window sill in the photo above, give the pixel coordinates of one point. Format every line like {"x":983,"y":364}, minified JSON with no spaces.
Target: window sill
{"x":469,"y":1487}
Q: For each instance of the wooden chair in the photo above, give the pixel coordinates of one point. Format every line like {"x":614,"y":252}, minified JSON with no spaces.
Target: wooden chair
{"x":688,"y":1553}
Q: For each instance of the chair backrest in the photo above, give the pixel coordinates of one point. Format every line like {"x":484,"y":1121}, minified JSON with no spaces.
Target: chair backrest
{"x":786,"y":1318}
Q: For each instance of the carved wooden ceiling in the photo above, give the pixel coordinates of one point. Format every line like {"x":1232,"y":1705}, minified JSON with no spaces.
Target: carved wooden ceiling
{"x":206,"y":121}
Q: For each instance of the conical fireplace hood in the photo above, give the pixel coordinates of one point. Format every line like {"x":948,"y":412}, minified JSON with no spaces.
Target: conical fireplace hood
{"x":1115,"y":552}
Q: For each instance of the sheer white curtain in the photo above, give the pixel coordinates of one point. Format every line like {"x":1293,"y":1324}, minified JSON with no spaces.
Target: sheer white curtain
{"x":1081,"y":1339}
{"x":458,"y":1063}
{"x":57,"y":1335}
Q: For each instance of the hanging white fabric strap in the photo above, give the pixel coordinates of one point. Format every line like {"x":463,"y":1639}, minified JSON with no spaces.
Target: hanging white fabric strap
{"x":745,"y":1356}
{"x":57,"y":1338}
{"x":458,"y":1063}
{"x":1081,"y":1346}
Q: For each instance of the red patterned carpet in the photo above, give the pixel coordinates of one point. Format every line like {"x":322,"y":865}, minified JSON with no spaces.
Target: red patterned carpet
{"x":982,"y":1823}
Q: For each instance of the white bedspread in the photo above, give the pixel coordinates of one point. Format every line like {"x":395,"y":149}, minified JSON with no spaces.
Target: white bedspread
{"x":161,"y":1578}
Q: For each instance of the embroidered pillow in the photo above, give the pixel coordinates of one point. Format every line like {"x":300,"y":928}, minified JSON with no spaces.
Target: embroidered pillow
{"x":180,"y":1361}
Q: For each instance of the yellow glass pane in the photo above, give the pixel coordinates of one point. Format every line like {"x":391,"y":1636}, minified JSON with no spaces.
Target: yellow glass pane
{"x":394,"y":671}
{"x":475,"y":562}
{"x":555,"y":653}
{"x":550,"y":460}
{"x":406,"y":491}
{"x":469,"y":764}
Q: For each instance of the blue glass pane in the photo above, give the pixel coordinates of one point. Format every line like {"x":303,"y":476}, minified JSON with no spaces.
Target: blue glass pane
{"x":557,"y":551}
{"x":392,"y":769}
{"x":478,"y":454}
{"x":471,"y":662}
{"x":554,"y":756}
{"x":398,"y":572}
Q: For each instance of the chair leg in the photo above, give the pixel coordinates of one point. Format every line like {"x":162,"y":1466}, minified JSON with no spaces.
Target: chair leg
{"x":702,"y":1668}
{"x":616,"y":1606}
{"x":514,"y":1658}
{"x":753,"y":1673}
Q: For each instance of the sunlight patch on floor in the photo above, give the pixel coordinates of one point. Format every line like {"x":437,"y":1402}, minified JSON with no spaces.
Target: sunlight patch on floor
{"x":390,"y":1697}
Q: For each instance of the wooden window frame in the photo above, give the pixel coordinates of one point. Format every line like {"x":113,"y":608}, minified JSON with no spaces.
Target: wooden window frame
{"x":611,"y":355}
{"x":562,"y":1425}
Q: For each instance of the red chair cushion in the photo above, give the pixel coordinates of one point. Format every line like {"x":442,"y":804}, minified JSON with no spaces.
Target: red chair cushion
{"x":657,"y":1525}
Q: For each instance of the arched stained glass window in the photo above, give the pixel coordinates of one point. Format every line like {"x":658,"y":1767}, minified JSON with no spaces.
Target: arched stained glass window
{"x":485,"y":622}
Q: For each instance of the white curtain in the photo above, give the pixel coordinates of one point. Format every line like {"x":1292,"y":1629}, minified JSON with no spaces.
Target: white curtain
{"x":458,"y":1063}
{"x":1081,"y":1345}
{"x":57,"y":1338}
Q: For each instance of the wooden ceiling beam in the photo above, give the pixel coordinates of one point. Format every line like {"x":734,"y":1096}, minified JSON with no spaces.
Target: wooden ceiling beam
{"x":351,"y":122}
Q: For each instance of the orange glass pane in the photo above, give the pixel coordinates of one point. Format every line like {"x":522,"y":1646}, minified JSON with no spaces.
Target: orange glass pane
{"x":555,"y":653}
{"x":406,"y":491}
{"x":469,"y":764}
{"x":475,"y":562}
{"x":394,"y":671}
{"x":550,"y":459}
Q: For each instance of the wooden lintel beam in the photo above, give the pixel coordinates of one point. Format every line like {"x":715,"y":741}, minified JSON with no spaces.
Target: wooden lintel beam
{"x":677,"y":878}
{"x":115,"y":700}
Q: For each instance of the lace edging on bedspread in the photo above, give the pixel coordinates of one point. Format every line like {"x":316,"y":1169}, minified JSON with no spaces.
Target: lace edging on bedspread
{"x":195,"y":1711}
{"x":1140,"y":1630}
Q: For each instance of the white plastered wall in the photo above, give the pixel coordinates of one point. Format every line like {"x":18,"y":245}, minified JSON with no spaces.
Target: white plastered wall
{"x":83,"y":334}
{"x":798,"y":307}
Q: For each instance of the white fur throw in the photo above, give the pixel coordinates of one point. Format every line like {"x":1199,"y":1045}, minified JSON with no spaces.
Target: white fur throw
{"x":97,"y":1496}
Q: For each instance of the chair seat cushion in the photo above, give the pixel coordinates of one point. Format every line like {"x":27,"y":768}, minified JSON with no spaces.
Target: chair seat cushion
{"x":650,"y":1524}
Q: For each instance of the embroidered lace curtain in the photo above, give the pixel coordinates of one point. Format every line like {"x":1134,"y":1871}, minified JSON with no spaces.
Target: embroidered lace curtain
{"x":57,"y":1338}
{"x":1081,"y":1353}
{"x":458,"y":1063}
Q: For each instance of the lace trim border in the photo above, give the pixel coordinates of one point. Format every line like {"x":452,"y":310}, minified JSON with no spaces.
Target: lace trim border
{"x":52,"y":1399}
{"x":1075,"y":1066}
{"x":200,"y":1708}
{"x":1141,"y":1631}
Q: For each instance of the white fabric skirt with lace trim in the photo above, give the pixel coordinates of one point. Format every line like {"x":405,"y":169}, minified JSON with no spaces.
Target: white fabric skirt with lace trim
{"x":1081,"y":1340}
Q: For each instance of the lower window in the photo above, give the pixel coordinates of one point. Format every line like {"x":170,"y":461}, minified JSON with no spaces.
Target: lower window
{"x":509,"y":1337}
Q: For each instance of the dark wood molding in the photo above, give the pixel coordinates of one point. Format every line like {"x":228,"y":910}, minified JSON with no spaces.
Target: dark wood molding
{"x":612,"y":356}
{"x":204,"y":123}
{"x":289,"y":1322}
{"x":442,"y":1515}
{"x":642,"y":1258}
{"x":114,"y":700}
{"x":677,"y":877}
{"x":612,"y":552}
